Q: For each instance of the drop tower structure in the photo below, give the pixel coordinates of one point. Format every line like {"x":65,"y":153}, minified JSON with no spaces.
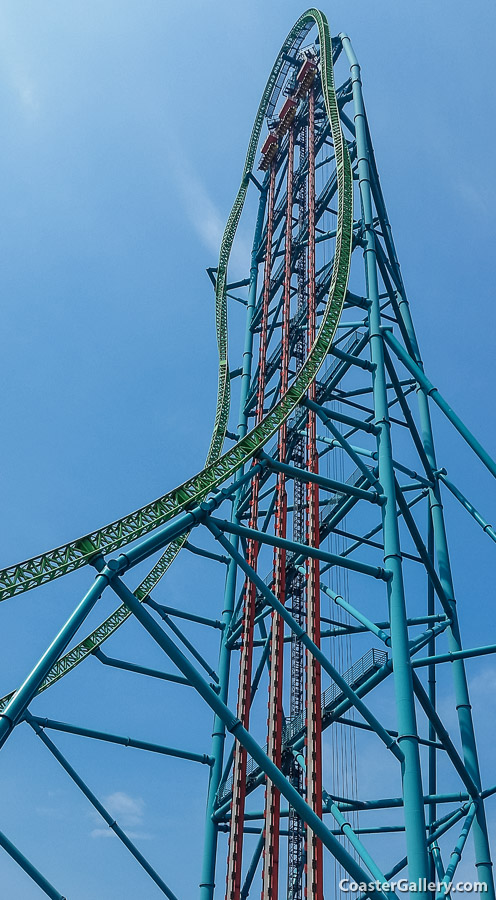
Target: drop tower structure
{"x":322,"y":499}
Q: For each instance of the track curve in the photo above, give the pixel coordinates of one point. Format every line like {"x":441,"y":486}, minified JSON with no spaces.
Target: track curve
{"x":219,"y":467}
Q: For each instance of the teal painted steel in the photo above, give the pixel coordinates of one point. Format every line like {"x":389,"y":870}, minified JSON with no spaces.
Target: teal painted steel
{"x":488,"y":529}
{"x":234,"y":726}
{"x":97,"y":735}
{"x":467,"y":733}
{"x":88,"y":793}
{"x":28,"y":867}
{"x":207,"y":884}
{"x":21,"y":699}
{"x":304,"y":550}
{"x":308,"y":643}
{"x":350,"y":380}
{"x":439,"y":400}
{"x":405,"y":707}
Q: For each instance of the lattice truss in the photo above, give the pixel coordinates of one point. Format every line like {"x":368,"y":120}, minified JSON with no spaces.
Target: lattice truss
{"x":321,"y":509}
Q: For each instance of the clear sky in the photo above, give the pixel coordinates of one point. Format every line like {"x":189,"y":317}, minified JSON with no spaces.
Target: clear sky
{"x":124,"y":128}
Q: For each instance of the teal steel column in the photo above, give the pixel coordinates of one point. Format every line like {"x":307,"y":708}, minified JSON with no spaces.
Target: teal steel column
{"x":467,"y":733}
{"x":483,"y":860}
{"x":456,"y":855}
{"x":405,"y":703}
{"x":207,"y":885}
{"x":240,"y":733}
{"x":432,"y":753}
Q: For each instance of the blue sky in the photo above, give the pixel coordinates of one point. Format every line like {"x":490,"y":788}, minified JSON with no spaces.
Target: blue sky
{"x":123,"y":138}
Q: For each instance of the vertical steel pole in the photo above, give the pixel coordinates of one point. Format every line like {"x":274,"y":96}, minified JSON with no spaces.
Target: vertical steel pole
{"x":479,"y":828}
{"x":432,"y":765}
{"x":405,"y":703}
{"x":483,"y":860}
{"x":467,"y":733}
{"x":207,"y":885}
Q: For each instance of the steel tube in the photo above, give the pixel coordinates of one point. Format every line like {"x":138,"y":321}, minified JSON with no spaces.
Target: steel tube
{"x":468,"y":506}
{"x":457,"y":853}
{"x":439,"y":400}
{"x":19,"y":703}
{"x":329,"y":484}
{"x":139,"y":670}
{"x":233,"y":725}
{"x":53,"y":725}
{"x":452,"y":655}
{"x":302,"y":549}
{"x":444,"y":737}
{"x":182,"y":637}
{"x":327,"y":414}
{"x":467,"y":733}
{"x":349,"y":693}
{"x":405,"y":704}
{"x":28,"y":867}
{"x":88,"y":793}
{"x":207,"y":884}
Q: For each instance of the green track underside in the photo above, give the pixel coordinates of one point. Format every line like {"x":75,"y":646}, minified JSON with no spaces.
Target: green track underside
{"x":219,"y":467}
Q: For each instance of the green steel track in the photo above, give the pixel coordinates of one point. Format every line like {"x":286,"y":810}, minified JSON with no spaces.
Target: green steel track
{"x":219,"y":466}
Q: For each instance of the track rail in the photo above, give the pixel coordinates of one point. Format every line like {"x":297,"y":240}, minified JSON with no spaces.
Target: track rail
{"x":219,"y":467}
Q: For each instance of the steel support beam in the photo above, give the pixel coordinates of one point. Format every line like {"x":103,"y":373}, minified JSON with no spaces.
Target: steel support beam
{"x":88,"y":793}
{"x":65,"y":727}
{"x":405,"y":704}
{"x":303,"y":550}
{"x":234,"y":726}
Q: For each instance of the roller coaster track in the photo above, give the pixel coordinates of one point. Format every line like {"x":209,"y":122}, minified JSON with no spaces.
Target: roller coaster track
{"x":219,"y":466}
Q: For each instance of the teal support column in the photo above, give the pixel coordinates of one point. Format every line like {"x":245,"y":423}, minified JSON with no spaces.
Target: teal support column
{"x":405,"y":704}
{"x":233,"y":724}
{"x":483,"y":860}
{"x":413,"y":363}
{"x":457,"y":854}
{"x":434,"y":859}
{"x":302,"y":635}
{"x":207,"y":885}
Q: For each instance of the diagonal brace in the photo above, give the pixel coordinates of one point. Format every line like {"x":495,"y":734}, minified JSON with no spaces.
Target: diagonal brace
{"x":100,"y":808}
{"x":443,"y":736}
{"x":433,"y":392}
{"x":234,"y":725}
{"x":28,"y":867}
{"x":307,"y":642}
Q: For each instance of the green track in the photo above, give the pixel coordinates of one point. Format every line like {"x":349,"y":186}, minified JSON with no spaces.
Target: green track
{"x":219,"y":467}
